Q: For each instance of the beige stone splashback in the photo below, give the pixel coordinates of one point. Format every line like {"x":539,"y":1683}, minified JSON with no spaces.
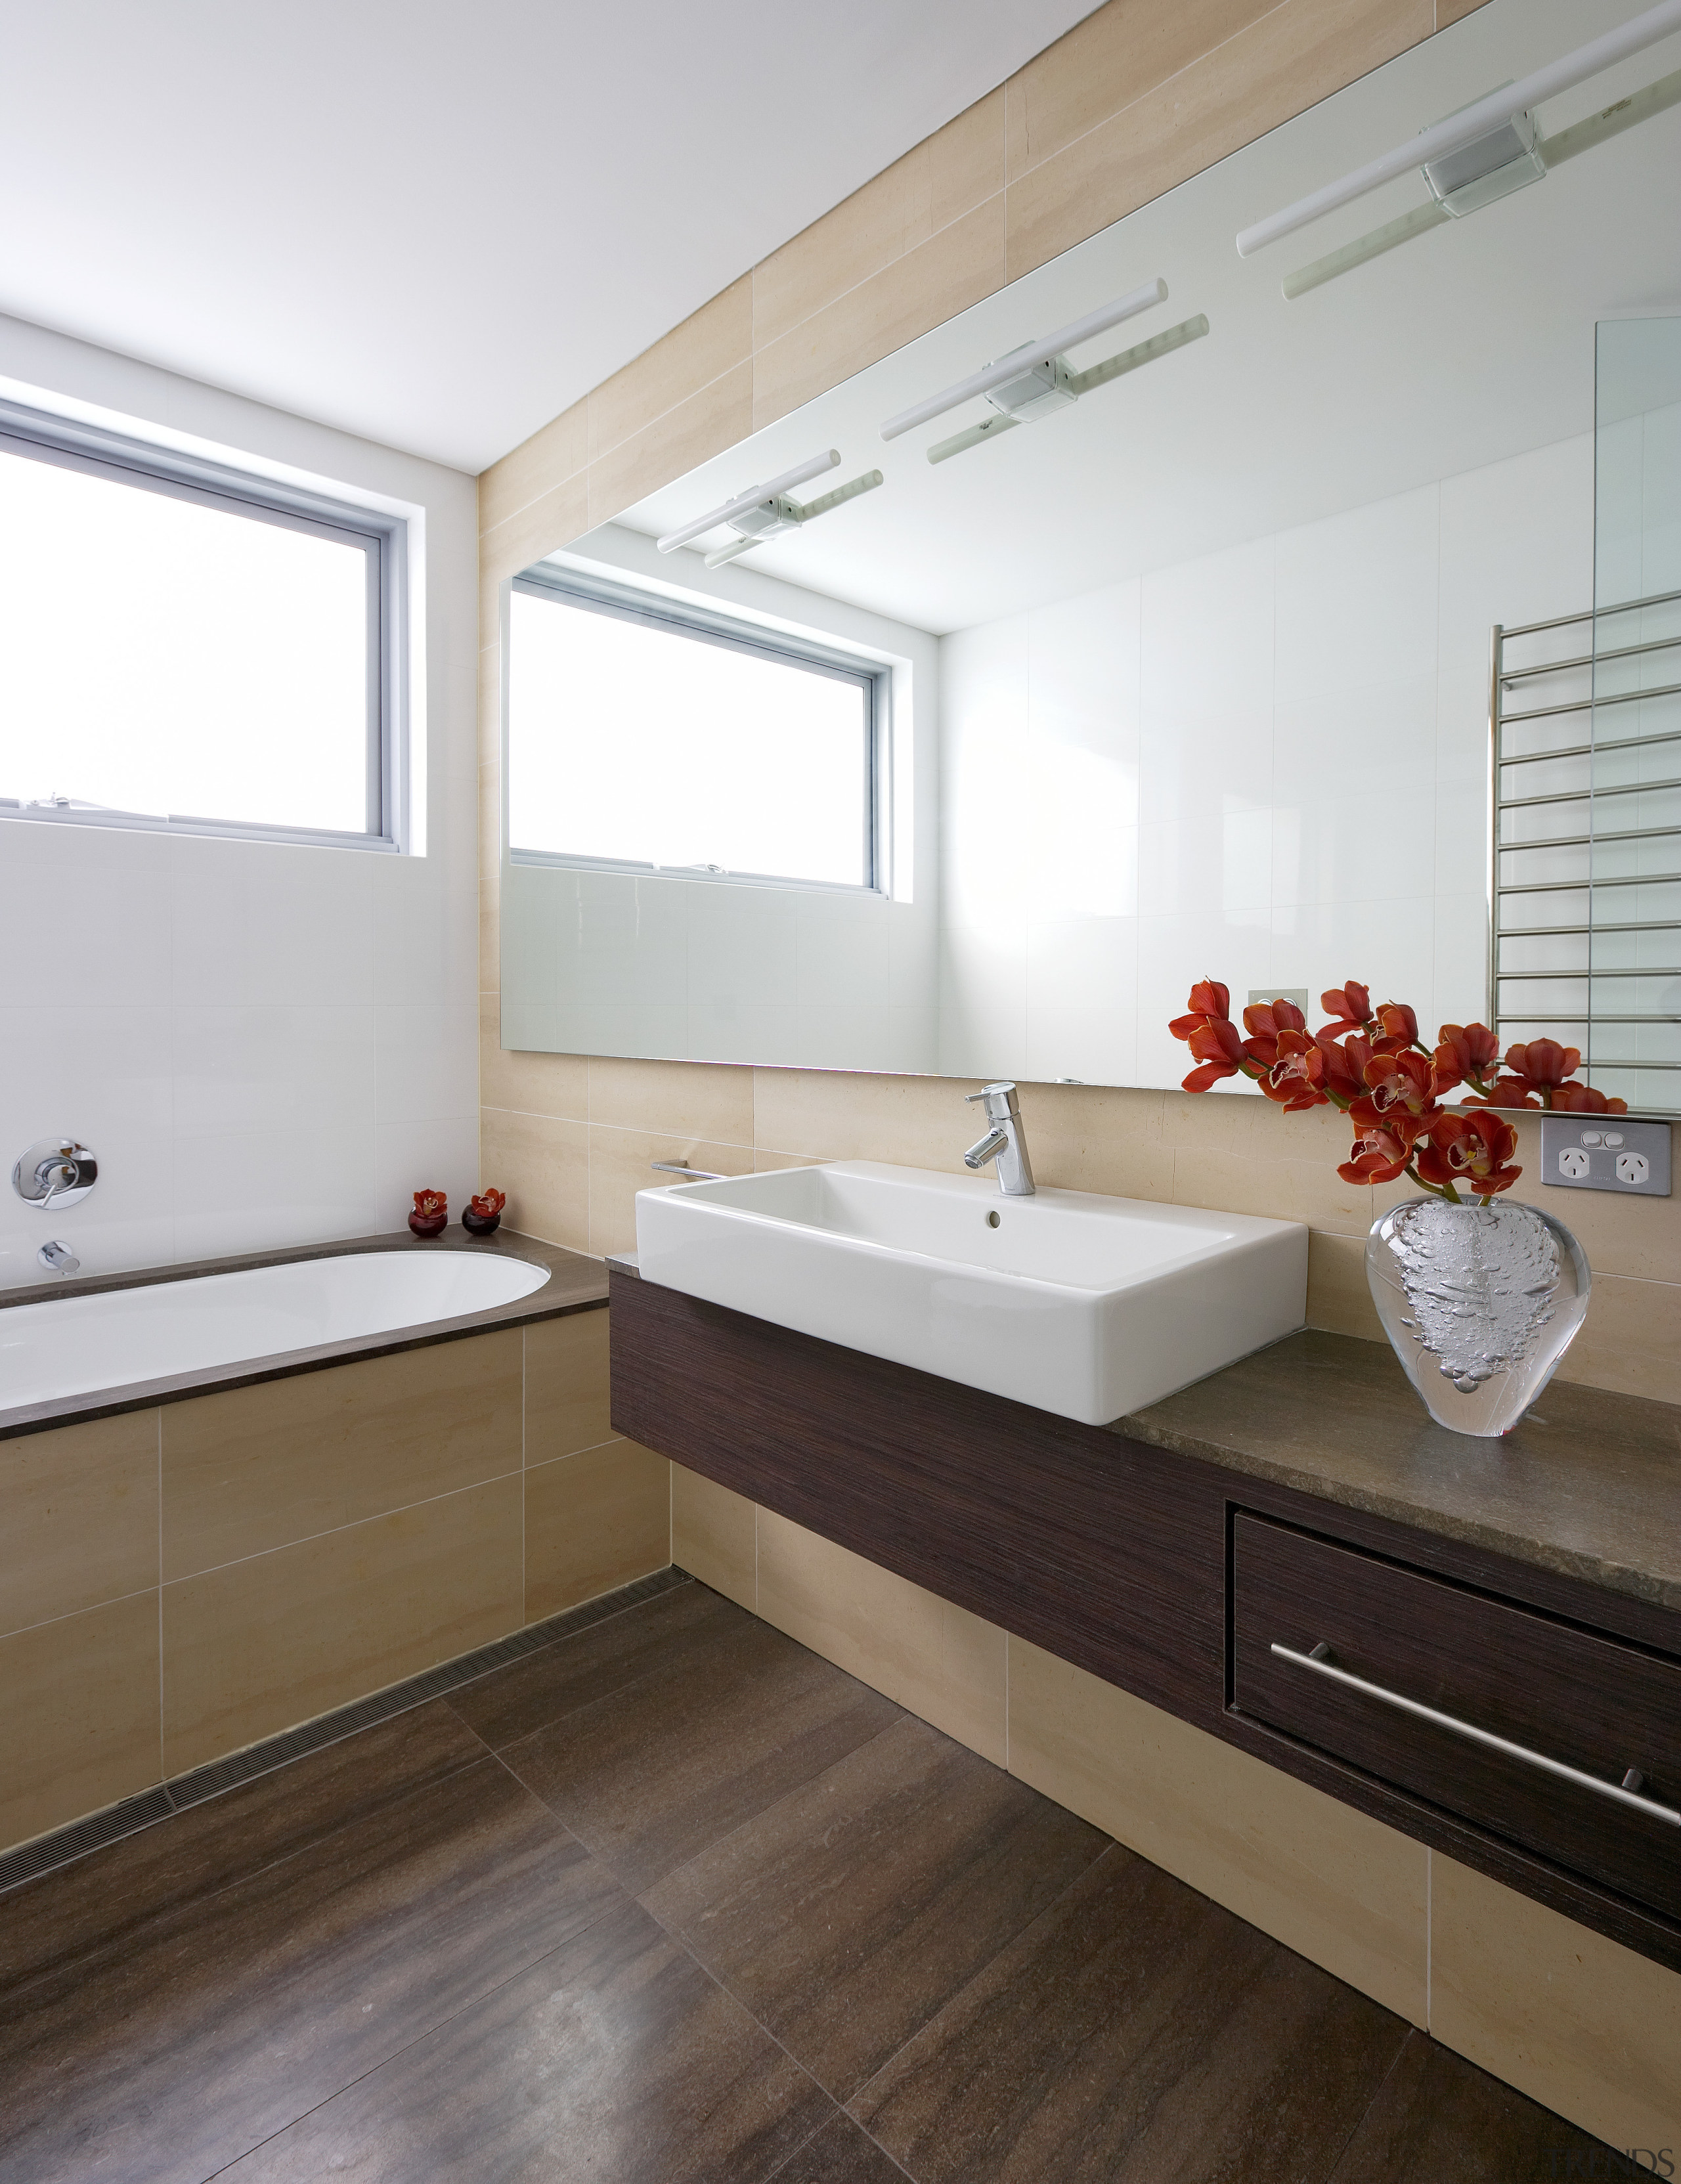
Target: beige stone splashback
{"x":1132,"y":101}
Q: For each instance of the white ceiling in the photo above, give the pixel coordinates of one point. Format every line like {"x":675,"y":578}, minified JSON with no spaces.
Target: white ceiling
{"x":436,"y":223}
{"x":1469,"y":345}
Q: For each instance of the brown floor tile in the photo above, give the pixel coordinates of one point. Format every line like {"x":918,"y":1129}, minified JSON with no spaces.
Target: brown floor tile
{"x":106,"y":1894}
{"x":1438,"y":2119}
{"x":652,"y":1774}
{"x":841,"y":2153}
{"x":224,"y":2020}
{"x":849,"y":1912}
{"x":615,"y":2059}
{"x":657,"y":1633}
{"x":1136,"y":2033}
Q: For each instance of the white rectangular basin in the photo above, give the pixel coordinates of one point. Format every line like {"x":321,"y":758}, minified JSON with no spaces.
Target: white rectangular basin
{"x":1086,"y":1306}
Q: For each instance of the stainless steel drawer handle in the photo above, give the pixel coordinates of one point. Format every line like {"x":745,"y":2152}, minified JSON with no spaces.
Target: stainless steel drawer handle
{"x":1321,"y":1666}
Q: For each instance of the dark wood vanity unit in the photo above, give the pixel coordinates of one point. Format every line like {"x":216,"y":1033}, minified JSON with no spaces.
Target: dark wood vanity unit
{"x":1528,"y":1589}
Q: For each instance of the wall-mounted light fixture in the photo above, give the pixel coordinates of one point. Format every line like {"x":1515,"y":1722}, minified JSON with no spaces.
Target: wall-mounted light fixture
{"x":1484,"y":119}
{"x":765,"y":510}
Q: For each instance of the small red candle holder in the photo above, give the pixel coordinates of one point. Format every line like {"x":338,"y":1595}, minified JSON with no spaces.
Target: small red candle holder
{"x":484,"y":1212}
{"x":430,"y":1216}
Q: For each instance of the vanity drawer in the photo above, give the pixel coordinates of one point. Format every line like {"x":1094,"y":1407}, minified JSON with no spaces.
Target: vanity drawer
{"x":1564,"y":1694}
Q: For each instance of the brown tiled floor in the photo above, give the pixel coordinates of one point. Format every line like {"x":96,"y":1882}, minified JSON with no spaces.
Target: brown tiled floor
{"x":674,"y":1900}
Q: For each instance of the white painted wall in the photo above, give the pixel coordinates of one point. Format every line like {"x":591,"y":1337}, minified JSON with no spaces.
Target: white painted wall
{"x":1268,"y":766}
{"x":264,"y":1044}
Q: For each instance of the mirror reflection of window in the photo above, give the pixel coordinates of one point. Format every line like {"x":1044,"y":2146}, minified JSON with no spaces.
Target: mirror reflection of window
{"x":644,"y":743}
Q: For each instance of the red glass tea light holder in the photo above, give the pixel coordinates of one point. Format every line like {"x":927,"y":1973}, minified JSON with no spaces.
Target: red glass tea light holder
{"x":430,"y":1216}
{"x":484,"y":1212}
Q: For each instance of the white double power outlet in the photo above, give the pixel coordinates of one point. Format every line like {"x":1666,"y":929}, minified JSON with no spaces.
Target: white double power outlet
{"x":1605,"y":1152}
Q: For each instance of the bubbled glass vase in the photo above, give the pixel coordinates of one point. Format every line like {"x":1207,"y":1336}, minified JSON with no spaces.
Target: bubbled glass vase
{"x":1480,"y":1302}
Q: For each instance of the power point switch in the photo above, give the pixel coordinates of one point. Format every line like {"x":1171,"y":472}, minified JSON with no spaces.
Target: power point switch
{"x":1632,"y":1159}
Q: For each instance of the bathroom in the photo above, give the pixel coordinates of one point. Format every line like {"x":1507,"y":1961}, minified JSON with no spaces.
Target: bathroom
{"x":668,"y":1509}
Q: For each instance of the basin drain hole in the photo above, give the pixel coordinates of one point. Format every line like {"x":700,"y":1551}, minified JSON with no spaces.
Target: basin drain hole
{"x":992,"y":1220}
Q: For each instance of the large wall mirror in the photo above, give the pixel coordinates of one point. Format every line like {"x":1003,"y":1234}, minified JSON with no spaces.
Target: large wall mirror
{"x":1320,"y":619}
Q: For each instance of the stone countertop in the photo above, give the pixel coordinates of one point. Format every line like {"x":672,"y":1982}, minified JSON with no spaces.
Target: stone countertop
{"x":1588,"y":1485}
{"x":576,"y":1283}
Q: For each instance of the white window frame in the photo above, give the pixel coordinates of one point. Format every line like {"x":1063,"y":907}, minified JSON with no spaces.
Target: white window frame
{"x":382,"y":539}
{"x":625,"y":602}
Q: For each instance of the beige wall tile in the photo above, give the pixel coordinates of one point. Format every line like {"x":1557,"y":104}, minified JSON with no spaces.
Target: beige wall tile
{"x":910,"y":295}
{"x":711,"y":1099}
{"x":543,"y":1165}
{"x":766,"y":1163}
{"x":1450,"y":11}
{"x":250,"y":1649}
{"x":944,"y":1663}
{"x":711,"y":421}
{"x":528,"y":1084}
{"x":710,"y":341}
{"x":1240,"y":1154}
{"x":566,"y":1390}
{"x":1581,"y":2024}
{"x":1294,"y":54}
{"x":554,"y":519}
{"x":559,"y":451}
{"x":1106,"y":63}
{"x":490,"y":949}
{"x":490,"y":832}
{"x":1344,"y":1891}
{"x":1095,"y":1136}
{"x":78,"y":1715}
{"x":78,"y":1517}
{"x":832,"y":1114}
{"x":622,"y":1163}
{"x":946,"y":175}
{"x":713,"y":1536}
{"x":254,"y":1468}
{"x":1629,"y":1339}
{"x":593,"y":1521}
{"x":1339,"y":1295}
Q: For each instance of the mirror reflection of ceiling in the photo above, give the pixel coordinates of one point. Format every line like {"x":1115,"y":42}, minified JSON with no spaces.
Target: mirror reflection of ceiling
{"x":1468,"y":344}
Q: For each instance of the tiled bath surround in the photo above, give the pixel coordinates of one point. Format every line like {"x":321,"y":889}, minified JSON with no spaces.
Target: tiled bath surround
{"x":178,"y":1582}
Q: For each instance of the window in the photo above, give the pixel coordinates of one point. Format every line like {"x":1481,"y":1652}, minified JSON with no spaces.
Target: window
{"x":184,"y":647}
{"x":645,"y":736}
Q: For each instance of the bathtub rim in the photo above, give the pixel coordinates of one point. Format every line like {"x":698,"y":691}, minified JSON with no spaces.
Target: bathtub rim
{"x":576,"y":1283}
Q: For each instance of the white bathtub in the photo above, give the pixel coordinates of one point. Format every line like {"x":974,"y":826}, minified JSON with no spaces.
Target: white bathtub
{"x":73,"y":1345}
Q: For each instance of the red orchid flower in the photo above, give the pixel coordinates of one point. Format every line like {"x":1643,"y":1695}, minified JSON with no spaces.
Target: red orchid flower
{"x":429,"y":1202}
{"x":1381,"y":1150}
{"x":1209,"y":999}
{"x":1345,"y":1061}
{"x":1506,"y":1091}
{"x":489,"y":1202}
{"x":1297,"y":1071}
{"x":1349,"y":1007}
{"x":1398,"y":1026}
{"x":1398,"y":1081}
{"x":1264,"y":1021}
{"x":1473,"y":1149}
{"x":1218,"y":1049}
{"x":1464,"y":1052}
{"x":1545,"y":1063}
{"x":1584,"y":1100}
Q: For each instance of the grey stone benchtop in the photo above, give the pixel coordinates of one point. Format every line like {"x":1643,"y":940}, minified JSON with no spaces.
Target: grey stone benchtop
{"x":1588,"y":1485}
{"x":575,"y":1283}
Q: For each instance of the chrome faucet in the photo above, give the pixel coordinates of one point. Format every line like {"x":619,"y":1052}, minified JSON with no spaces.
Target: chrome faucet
{"x":1005,"y":1141}
{"x":58,"y":1258}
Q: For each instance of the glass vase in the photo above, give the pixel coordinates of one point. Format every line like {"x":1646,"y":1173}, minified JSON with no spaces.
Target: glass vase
{"x":1479,"y":1303}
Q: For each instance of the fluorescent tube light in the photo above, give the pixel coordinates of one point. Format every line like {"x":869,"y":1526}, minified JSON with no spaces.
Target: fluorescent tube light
{"x":1464,"y":128}
{"x":743,"y":501}
{"x":1023,"y":359}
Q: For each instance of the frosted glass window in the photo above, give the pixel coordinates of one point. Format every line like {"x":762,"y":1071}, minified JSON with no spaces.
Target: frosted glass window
{"x":171,"y":655}
{"x":644,"y":743}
